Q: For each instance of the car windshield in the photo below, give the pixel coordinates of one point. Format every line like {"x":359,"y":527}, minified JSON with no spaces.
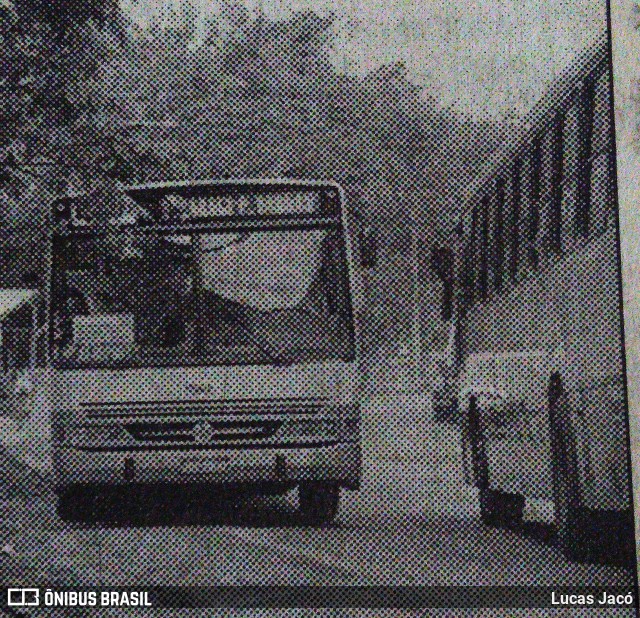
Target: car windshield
{"x":203,"y":297}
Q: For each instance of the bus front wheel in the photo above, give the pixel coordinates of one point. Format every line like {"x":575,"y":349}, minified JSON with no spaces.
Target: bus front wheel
{"x":74,"y":505}
{"x":318,"y":503}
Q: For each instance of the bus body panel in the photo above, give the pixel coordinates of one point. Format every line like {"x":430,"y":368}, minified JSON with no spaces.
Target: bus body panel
{"x":332,"y":379}
{"x":261,"y":424}
{"x":565,"y":319}
{"x":237,"y":424}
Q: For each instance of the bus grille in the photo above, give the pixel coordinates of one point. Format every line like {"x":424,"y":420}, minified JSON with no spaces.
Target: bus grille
{"x":202,"y":432}
{"x":173,"y":408}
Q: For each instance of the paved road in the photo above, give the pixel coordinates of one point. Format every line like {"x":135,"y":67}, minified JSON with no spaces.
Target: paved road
{"x":413,"y":522}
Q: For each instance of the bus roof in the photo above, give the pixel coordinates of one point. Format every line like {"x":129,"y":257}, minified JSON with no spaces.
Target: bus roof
{"x":270,"y":182}
{"x":12,"y":299}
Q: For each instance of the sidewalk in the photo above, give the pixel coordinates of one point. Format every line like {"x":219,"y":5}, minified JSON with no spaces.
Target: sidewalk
{"x":412,"y":466}
{"x":25,"y":526}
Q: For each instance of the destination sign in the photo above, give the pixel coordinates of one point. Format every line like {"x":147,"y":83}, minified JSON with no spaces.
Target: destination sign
{"x":270,"y":203}
{"x":193,"y":204}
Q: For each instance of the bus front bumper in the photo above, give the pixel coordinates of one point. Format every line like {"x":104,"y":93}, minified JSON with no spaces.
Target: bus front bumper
{"x":339,"y":463}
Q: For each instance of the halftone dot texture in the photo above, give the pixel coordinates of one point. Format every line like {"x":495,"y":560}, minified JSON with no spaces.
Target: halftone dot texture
{"x":524,"y":214}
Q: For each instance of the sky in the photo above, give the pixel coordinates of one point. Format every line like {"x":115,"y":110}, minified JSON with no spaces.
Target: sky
{"x":490,"y":59}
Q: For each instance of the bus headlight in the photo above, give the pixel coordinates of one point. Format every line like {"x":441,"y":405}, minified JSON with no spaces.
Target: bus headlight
{"x":98,"y":433}
{"x":325,"y":429}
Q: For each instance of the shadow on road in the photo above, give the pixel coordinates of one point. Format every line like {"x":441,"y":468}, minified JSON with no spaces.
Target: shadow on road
{"x":184,"y":506}
{"x":540,"y":532}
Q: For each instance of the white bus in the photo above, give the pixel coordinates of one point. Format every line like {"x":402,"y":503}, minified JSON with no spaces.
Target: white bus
{"x":540,"y":380}
{"x":205,"y":333}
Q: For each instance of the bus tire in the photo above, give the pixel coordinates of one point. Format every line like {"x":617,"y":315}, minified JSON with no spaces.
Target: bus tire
{"x":591,"y":536}
{"x":318,"y":503}
{"x":569,"y":539}
{"x":572,"y":537}
{"x":583,"y":534}
{"x":499,"y":509}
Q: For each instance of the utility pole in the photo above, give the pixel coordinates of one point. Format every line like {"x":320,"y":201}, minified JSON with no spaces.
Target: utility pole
{"x":416,"y":330}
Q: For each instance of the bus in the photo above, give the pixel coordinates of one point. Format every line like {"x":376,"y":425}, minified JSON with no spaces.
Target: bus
{"x":204,"y":333}
{"x":532,"y":287}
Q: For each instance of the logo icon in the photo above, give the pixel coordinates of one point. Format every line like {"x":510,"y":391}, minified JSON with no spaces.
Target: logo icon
{"x":22,"y":597}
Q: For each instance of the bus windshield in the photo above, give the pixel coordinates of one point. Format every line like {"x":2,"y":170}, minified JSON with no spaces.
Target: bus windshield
{"x":192,"y":295}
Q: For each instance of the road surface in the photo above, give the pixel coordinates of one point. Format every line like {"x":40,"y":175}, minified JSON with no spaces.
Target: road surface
{"x":412,"y":522}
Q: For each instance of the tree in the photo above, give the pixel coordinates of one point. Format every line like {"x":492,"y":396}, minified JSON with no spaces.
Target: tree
{"x":51,"y":52}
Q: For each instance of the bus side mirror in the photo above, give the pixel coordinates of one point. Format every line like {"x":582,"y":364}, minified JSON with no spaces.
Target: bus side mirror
{"x":368,"y":246}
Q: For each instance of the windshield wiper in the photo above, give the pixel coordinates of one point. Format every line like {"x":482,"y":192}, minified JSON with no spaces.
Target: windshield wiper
{"x":276,"y":359}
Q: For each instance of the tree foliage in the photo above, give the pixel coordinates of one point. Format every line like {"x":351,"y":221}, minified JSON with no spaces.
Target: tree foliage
{"x":51,"y":54}
{"x":238,"y":95}
{"x":254,"y":96}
